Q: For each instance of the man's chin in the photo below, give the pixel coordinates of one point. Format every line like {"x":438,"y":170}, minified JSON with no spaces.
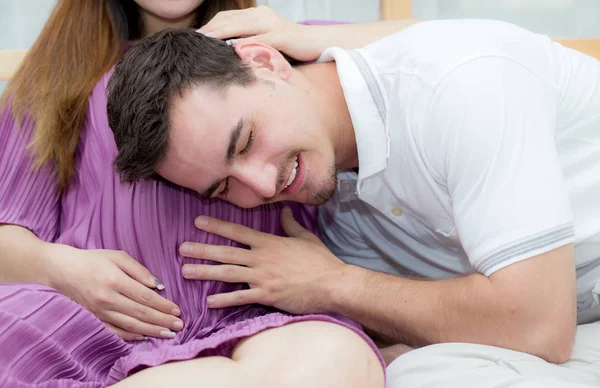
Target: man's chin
{"x":322,"y":196}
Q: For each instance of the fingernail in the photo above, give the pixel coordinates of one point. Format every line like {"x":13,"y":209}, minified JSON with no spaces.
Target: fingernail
{"x":210,"y":34}
{"x":186,"y":248}
{"x":175,"y":312}
{"x":230,"y":42}
{"x":201,"y":221}
{"x":210,"y":301}
{"x":167,"y":334}
{"x":158,"y":283}
{"x":187,"y":270}
{"x":139,"y":338}
{"x":177,"y":325}
{"x":145,"y":338}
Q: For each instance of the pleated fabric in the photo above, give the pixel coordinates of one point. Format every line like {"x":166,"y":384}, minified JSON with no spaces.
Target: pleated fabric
{"x":46,"y":339}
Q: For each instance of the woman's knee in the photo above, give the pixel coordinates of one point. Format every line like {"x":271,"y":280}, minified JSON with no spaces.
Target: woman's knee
{"x":312,"y":354}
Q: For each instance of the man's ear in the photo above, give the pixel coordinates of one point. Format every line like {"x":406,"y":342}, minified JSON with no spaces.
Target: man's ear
{"x":264,"y":58}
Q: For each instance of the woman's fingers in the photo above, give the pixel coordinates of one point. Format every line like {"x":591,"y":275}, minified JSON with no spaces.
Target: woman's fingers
{"x":247,"y":22}
{"x":146,"y":314}
{"x":128,"y":325}
{"x":134,"y":288}
{"x":125,"y":335}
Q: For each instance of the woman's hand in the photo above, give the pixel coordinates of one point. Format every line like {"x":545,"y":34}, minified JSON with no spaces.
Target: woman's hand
{"x":116,"y":289}
{"x":298,"y":41}
{"x":263,"y":25}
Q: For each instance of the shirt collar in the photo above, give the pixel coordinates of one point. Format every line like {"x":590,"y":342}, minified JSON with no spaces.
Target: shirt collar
{"x":366,"y":105}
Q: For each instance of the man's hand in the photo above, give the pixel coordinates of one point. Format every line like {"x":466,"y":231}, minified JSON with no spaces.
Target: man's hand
{"x":290,"y":273}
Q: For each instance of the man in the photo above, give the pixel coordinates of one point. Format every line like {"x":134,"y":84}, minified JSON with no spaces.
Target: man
{"x":457,"y":164}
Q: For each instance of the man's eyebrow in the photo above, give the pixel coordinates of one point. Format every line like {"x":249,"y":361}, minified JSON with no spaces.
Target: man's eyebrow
{"x":233,"y":140}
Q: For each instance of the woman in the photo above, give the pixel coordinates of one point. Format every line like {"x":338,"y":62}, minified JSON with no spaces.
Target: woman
{"x":72,"y":235}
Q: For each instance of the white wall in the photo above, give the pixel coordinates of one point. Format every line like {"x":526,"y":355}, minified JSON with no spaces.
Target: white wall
{"x":22,"y":20}
{"x":340,"y":10}
{"x":20,"y":23}
{"x":557,"y":18}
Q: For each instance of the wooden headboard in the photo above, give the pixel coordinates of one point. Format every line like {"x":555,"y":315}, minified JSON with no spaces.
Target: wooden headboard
{"x":402,"y":9}
{"x":9,"y":62}
{"x":588,"y":46}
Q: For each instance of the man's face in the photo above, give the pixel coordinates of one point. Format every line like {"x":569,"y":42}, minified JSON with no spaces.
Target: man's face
{"x":250,"y":145}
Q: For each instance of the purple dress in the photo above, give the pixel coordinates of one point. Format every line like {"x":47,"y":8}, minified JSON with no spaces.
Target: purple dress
{"x":47,"y":339}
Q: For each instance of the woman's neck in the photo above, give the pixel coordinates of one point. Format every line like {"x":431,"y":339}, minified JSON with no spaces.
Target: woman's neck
{"x":153,"y":23}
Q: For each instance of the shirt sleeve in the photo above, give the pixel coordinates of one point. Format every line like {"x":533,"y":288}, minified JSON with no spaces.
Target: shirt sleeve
{"x":28,"y":196}
{"x":500,"y":162}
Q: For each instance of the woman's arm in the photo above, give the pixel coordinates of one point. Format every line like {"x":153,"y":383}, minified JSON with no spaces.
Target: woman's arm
{"x":113,"y":286}
{"x":110,"y":284}
{"x":22,"y":256}
{"x":302,"y":42}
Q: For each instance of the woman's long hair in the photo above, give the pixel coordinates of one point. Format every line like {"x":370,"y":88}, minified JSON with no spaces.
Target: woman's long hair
{"x":79,"y":43}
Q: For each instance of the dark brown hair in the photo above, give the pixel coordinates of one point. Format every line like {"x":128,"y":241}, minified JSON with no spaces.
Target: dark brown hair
{"x":80,"y":42}
{"x":144,"y":83}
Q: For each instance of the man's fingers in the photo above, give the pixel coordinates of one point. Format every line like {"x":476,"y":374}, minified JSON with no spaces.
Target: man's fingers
{"x":235,"y":298}
{"x":132,"y":325}
{"x":146,"y":314}
{"x":220,"y":253}
{"x":290,"y":226}
{"x":219,"y":273}
{"x":232,"y":231}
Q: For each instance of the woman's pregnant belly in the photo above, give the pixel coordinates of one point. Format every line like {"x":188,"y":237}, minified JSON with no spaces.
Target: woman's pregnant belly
{"x":150,"y":220}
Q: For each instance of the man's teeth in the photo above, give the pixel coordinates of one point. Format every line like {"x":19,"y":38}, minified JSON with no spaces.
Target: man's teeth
{"x":293,"y":174}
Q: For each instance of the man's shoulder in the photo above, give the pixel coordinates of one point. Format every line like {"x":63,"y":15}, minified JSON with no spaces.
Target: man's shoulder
{"x":431,"y":50}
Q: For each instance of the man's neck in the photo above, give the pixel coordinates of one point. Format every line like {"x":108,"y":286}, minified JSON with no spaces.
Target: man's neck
{"x":326,"y":88}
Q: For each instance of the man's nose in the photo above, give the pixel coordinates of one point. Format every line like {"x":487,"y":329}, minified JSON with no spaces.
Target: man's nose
{"x":261,"y":178}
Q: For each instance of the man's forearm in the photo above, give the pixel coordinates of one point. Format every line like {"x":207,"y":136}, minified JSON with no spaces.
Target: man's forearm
{"x":421,"y":312}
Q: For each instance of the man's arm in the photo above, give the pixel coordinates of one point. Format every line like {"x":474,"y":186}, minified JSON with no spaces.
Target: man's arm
{"x":498,"y":160}
{"x":529,"y":306}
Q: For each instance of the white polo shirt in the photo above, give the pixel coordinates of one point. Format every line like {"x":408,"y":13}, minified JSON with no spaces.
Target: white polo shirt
{"x":478,"y":146}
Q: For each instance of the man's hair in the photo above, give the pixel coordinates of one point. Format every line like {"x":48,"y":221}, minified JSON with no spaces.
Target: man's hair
{"x":145,"y":82}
